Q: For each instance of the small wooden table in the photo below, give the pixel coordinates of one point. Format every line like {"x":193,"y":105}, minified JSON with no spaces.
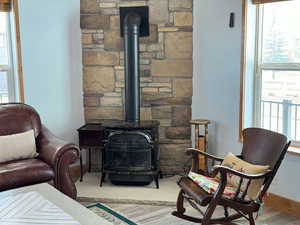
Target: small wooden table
{"x":43,"y":204}
{"x":90,"y":136}
{"x":201,"y":140}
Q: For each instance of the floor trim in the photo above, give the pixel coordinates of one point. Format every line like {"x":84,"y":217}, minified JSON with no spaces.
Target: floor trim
{"x":283,"y":204}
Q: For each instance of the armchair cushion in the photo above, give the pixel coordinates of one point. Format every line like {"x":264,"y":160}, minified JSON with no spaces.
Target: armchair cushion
{"x":17,"y":146}
{"x":24,"y":172}
{"x":210,"y":185}
{"x":238,"y":164}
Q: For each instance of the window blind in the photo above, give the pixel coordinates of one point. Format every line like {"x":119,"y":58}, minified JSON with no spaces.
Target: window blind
{"x":5,"y":5}
{"x":267,"y":1}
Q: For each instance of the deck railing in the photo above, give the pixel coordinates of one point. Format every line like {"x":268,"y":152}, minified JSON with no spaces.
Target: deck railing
{"x":3,"y":97}
{"x":283,"y":117}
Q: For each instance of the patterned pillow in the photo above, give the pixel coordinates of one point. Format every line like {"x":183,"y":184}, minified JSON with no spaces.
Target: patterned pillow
{"x":238,"y":164}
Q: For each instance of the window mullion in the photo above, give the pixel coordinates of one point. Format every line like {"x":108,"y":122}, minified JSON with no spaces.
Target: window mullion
{"x":258,"y":70}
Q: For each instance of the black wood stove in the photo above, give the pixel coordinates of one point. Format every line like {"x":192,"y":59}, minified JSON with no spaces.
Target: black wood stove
{"x":131,"y":150}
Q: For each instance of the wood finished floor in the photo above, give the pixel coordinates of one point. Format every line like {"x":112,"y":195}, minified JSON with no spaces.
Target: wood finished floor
{"x":161,"y":215}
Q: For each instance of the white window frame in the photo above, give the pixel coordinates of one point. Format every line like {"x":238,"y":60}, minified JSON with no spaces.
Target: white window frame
{"x":10,"y":68}
{"x":260,"y":66}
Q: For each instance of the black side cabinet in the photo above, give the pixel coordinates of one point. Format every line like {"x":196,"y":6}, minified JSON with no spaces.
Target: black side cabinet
{"x":90,"y":136}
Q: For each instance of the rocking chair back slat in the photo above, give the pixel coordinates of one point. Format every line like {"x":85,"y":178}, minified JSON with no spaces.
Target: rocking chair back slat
{"x":213,"y":162}
{"x":246,"y":190}
{"x":237,"y":193}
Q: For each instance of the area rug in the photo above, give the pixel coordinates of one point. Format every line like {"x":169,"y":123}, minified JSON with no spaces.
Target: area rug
{"x":124,"y":212}
{"x":109,"y":214}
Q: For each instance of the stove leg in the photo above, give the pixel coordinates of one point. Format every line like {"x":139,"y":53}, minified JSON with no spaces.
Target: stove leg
{"x":160,"y":175}
{"x":90,"y":163}
{"x":81,"y":168}
{"x":102,"y":179}
{"x":156,"y":181}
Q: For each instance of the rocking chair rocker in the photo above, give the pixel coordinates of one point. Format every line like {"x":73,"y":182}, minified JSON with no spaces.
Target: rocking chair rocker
{"x":261,"y":147}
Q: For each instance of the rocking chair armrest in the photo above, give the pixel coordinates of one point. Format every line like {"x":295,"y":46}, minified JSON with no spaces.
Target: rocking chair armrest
{"x":225,"y":169}
{"x":191,"y":151}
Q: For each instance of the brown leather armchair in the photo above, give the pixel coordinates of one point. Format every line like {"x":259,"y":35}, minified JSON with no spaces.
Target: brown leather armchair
{"x":52,"y":163}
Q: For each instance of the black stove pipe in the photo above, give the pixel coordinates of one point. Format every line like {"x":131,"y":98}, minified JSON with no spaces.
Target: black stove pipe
{"x":132,"y":24}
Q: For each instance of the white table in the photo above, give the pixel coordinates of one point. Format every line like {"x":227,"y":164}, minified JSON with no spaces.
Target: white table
{"x":43,"y":204}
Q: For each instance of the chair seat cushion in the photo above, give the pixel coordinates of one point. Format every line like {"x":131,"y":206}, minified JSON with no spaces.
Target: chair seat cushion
{"x":24,"y":172}
{"x":210,"y":185}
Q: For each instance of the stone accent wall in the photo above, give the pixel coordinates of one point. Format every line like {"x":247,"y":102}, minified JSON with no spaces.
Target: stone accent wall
{"x":166,"y":69}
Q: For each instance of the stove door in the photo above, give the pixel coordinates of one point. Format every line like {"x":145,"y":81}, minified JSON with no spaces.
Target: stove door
{"x":128,"y":151}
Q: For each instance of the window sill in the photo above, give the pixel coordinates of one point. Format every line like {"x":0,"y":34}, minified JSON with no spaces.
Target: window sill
{"x":294,"y":150}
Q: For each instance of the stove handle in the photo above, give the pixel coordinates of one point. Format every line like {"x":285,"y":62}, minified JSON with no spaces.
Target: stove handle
{"x":147,"y":137}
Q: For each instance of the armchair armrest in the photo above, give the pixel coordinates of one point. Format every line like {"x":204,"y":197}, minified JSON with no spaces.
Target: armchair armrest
{"x":58,"y":154}
{"x":51,"y":148}
{"x":191,"y":151}
{"x":225,"y":170}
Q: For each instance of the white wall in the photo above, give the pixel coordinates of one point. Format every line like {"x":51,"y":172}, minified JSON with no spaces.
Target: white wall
{"x":217,"y":57}
{"x":51,"y":53}
{"x":217,"y":50}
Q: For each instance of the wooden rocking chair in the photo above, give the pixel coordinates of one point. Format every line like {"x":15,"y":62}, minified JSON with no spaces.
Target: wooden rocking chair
{"x":261,"y":147}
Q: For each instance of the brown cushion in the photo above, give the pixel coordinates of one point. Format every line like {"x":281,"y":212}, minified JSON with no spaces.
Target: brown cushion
{"x":24,"y":172}
{"x":240,"y":165}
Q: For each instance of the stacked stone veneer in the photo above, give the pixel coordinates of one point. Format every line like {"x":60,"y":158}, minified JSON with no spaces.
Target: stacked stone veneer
{"x":166,"y":69}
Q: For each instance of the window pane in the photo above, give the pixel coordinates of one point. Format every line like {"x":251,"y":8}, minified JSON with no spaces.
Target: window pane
{"x":280,"y":102}
{"x":281,"y":33}
{"x":281,"y":85}
{"x":3,"y":87}
{"x":3,"y":39}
